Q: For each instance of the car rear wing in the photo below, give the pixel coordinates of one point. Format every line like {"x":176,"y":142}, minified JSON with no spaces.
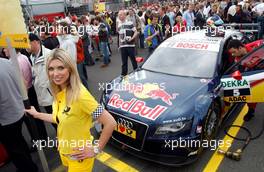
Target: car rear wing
{"x":254,"y":28}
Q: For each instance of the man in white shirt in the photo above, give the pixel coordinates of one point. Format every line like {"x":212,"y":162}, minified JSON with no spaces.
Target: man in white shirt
{"x":127,"y":33}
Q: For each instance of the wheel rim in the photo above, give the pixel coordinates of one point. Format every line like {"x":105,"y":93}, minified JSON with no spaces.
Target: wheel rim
{"x":211,"y":123}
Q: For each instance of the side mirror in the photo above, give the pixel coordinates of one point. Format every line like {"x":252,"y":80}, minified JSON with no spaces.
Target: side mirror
{"x":236,"y":75}
{"x":139,"y":59}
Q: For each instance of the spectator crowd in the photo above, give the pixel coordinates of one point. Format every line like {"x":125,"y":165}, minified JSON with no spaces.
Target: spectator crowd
{"x":88,"y":39}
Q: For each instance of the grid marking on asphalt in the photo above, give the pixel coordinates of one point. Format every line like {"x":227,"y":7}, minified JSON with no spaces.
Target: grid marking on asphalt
{"x":114,"y":163}
{"x":217,"y":158}
{"x":109,"y":161}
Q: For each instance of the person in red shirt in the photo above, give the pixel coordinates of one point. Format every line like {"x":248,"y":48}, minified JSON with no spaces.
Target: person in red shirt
{"x":237,"y":49}
{"x":180,"y":25}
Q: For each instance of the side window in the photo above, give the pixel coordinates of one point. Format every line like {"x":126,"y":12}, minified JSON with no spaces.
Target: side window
{"x":225,"y":60}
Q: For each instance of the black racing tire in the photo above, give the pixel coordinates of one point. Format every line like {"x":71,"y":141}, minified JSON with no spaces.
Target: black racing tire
{"x":212,"y":121}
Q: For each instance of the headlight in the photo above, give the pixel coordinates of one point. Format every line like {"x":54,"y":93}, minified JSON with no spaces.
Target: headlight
{"x":173,"y":127}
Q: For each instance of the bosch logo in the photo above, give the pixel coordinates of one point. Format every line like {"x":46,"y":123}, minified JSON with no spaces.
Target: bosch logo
{"x":125,"y":123}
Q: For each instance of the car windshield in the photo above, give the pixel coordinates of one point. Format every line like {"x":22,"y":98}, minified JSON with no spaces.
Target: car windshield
{"x":183,"y":62}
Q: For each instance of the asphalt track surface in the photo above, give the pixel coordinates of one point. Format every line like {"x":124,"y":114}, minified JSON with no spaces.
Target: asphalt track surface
{"x":114,"y":159}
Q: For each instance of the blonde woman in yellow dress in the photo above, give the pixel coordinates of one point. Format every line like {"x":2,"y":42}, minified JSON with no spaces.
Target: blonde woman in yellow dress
{"x":74,"y":108}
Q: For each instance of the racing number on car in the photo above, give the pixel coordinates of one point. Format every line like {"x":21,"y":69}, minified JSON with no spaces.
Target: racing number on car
{"x":236,"y":92}
{"x":235,"y":88}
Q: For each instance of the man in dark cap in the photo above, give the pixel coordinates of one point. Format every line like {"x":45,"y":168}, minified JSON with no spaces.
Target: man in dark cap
{"x":40,"y":79}
{"x":48,"y":41}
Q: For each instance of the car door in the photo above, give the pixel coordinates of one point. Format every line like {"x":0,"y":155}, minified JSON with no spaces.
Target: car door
{"x":244,"y":81}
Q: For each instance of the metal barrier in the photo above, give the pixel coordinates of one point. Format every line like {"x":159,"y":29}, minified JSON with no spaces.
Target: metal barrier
{"x":247,"y":28}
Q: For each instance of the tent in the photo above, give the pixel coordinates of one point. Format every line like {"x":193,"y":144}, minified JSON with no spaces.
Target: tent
{"x":44,"y":8}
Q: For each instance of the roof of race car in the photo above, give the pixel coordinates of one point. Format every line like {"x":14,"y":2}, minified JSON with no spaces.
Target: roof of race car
{"x":196,"y":40}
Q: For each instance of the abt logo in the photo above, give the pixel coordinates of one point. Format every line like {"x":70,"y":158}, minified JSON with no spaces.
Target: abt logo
{"x":136,"y":107}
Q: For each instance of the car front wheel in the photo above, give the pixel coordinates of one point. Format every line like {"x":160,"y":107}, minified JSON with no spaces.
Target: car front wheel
{"x":211,"y":124}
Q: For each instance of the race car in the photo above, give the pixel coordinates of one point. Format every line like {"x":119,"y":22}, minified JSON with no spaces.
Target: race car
{"x":177,"y":96}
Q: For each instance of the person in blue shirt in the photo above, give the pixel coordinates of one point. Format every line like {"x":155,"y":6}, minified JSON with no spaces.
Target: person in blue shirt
{"x":188,"y":15}
{"x":153,"y":33}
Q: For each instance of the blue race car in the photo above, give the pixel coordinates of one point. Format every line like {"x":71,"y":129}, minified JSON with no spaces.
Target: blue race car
{"x":174,"y":103}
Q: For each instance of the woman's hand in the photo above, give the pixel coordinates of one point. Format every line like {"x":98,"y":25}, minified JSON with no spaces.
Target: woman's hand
{"x":32,"y":111}
{"x":83,"y":153}
{"x":42,"y":116}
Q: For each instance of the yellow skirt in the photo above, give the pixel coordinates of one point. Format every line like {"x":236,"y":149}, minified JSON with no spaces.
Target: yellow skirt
{"x":85,"y":165}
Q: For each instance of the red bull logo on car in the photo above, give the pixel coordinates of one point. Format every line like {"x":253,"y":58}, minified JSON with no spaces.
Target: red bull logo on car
{"x":137,"y":107}
{"x":163,"y":95}
{"x":153,"y":91}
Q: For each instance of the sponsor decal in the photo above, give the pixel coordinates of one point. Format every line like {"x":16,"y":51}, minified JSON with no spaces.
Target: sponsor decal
{"x":130,"y":87}
{"x":231,"y":83}
{"x":148,"y":90}
{"x":174,"y":120}
{"x":248,"y":89}
{"x":125,"y":127}
{"x":192,"y":46}
{"x":20,"y":40}
{"x":197,"y":43}
{"x":137,"y":107}
{"x":238,"y":99}
{"x":163,"y":95}
{"x":17,"y":40}
{"x":236,"y":90}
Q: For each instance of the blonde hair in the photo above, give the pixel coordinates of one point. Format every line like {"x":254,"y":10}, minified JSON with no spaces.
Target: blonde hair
{"x":74,"y":83}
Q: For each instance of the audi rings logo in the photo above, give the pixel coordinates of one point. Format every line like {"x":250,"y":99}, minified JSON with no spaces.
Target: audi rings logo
{"x":125,"y":123}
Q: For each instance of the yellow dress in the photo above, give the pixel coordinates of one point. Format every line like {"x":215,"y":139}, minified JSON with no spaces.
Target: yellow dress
{"x":73,"y":130}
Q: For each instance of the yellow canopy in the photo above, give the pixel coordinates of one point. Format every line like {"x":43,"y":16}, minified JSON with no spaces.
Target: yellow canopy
{"x":99,"y":7}
{"x":12,"y":24}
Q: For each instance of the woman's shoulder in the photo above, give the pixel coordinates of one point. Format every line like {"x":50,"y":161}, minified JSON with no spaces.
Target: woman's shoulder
{"x":84,"y":93}
{"x":86,"y":97}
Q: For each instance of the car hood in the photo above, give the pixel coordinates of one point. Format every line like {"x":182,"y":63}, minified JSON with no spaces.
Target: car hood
{"x":150,"y":96}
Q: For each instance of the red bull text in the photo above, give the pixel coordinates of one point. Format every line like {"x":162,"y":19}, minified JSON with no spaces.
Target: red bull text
{"x":136,"y":107}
